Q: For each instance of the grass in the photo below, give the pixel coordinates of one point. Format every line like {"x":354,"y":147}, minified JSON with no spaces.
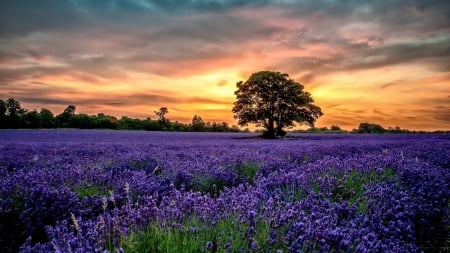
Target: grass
{"x":212,"y":185}
{"x":247,"y":171}
{"x":18,"y":200}
{"x":293,"y":192}
{"x":231,"y":235}
{"x":208,"y":184}
{"x":351,"y":187}
{"x":226,"y":235}
{"x":85,"y":189}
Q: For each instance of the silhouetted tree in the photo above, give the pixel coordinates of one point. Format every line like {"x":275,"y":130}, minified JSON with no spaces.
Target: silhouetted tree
{"x":153,"y":125}
{"x":63,"y":119}
{"x":46,"y":118}
{"x":370,"y":128}
{"x":198,"y":124}
{"x":274,"y":101}
{"x":13,"y":113}
{"x":161,"y":113}
{"x":335,"y":128}
{"x":82,"y":121}
{"x":68,"y":119}
{"x":70,"y":110}
{"x":2,"y":114}
{"x":105,"y":121}
{"x":130,"y":124}
{"x":31,"y":119}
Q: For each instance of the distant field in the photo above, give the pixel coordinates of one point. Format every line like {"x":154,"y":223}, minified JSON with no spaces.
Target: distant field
{"x":137,"y":191}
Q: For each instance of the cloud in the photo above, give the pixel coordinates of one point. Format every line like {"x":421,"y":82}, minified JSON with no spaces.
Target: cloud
{"x":401,"y":53}
{"x":443,"y":115}
{"x":9,"y":58}
{"x":379,"y":112}
{"x":390,"y":84}
{"x":22,"y":17}
{"x":222,"y":82}
{"x":126,"y":50}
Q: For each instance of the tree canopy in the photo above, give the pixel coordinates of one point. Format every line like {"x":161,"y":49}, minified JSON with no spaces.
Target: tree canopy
{"x":274,"y":101}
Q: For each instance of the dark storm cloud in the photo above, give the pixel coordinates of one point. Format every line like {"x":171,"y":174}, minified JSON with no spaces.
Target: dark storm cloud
{"x":20,"y":17}
{"x":24,"y":16}
{"x":201,"y":5}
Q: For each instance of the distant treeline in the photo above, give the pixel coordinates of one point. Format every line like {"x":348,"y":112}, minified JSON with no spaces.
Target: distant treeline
{"x":13,"y":116}
{"x":365,"y":128}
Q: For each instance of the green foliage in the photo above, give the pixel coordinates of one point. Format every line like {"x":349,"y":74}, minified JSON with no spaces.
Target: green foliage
{"x":12,"y":113}
{"x":13,"y":116}
{"x":370,"y":128}
{"x":140,"y":164}
{"x":306,"y":158}
{"x":2,"y":109}
{"x":63,"y":119}
{"x":293,"y":192}
{"x":46,"y":119}
{"x":214,"y":185}
{"x":225,"y":235}
{"x":18,"y":199}
{"x":208,"y":184}
{"x":247,"y":171}
{"x":315,"y":187}
{"x":198,"y":125}
{"x":30,"y":119}
{"x":274,"y":101}
{"x":335,"y":128}
{"x":351,"y":186}
{"x":86,"y":189}
{"x":161,"y":114}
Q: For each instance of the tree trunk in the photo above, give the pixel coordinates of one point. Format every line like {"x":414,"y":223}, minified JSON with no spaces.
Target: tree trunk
{"x":270,"y":133}
{"x":280,"y":133}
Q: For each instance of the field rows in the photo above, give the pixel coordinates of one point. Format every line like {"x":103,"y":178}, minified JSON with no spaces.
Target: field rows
{"x":91,"y":191}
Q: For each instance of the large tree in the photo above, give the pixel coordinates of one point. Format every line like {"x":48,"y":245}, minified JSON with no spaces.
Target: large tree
{"x":274,"y":101}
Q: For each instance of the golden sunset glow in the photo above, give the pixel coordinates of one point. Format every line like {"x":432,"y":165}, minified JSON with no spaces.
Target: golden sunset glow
{"x":379,"y":62}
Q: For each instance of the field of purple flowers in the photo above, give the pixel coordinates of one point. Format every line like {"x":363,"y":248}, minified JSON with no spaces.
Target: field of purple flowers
{"x":121,"y":191}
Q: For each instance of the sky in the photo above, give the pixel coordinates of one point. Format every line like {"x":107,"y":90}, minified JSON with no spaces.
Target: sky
{"x":383,"y":62}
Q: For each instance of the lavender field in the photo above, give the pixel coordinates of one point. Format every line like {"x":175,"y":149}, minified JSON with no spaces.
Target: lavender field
{"x":123,"y":191}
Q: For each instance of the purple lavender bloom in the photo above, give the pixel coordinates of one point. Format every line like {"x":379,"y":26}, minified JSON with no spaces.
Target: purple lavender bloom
{"x":84,"y":191}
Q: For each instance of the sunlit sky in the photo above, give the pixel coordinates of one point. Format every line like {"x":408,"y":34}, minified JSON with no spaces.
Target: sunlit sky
{"x":384,"y":62}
